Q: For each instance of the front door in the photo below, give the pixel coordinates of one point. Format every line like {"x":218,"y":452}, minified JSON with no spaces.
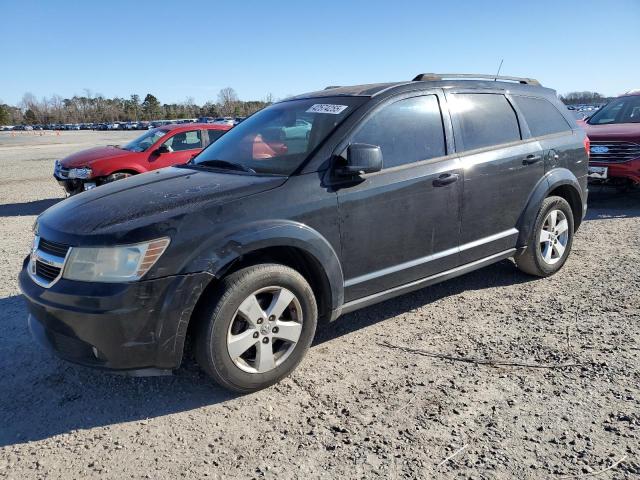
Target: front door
{"x":180,"y":147}
{"x":402,"y":223}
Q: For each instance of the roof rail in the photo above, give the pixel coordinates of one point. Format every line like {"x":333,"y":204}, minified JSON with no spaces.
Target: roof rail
{"x":332,"y":86}
{"x":422,"y":77}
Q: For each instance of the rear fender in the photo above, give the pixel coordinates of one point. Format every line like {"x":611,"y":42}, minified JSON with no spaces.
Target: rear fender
{"x":555,"y":178}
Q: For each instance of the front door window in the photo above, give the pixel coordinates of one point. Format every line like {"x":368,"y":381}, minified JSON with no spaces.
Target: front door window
{"x":184,"y":141}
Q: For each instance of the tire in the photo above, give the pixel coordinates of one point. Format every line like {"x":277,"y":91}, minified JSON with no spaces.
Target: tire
{"x":117,"y":176}
{"x":231,"y":321}
{"x":542,"y":259}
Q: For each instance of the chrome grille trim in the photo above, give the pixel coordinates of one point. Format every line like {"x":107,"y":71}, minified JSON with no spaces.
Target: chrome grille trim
{"x":613,"y":152}
{"x":54,"y":248}
{"x":42,"y":262}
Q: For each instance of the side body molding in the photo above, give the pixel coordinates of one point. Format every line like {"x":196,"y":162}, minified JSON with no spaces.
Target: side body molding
{"x":549,"y":182}
{"x":265,"y":234}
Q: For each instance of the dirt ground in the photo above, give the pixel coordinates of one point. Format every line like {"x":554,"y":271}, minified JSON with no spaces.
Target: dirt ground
{"x":355,"y":408}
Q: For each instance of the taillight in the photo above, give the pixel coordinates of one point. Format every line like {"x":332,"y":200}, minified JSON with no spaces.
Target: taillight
{"x":587,"y":145}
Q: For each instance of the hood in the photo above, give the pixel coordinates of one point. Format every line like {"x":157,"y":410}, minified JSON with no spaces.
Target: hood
{"x":85,"y":157}
{"x":629,"y":132}
{"x":145,"y":206}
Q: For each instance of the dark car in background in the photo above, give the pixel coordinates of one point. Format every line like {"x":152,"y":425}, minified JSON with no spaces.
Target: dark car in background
{"x":157,"y":148}
{"x":313,"y":207}
{"x":614,"y":136}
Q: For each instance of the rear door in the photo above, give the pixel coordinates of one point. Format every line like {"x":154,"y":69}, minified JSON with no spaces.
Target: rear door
{"x":402,"y":223}
{"x":211,"y":135}
{"x":501,"y":168}
{"x":554,"y":133}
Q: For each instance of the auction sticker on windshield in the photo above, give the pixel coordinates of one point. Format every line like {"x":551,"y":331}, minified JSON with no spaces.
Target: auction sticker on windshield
{"x":327,"y":108}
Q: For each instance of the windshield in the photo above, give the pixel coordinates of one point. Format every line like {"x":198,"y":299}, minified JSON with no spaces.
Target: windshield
{"x":620,"y":110}
{"x":144,"y":141}
{"x":278,"y":139}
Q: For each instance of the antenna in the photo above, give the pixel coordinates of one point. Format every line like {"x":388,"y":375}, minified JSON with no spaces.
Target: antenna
{"x":498,"y":73}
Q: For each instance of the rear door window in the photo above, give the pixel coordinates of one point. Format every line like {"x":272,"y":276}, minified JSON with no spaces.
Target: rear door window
{"x":541,"y":116}
{"x":214,"y":135}
{"x":406,"y":131}
{"x":484,"y":119}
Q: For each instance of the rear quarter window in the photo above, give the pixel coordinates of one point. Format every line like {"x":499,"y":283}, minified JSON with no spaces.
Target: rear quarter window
{"x":541,"y":116}
{"x":484,"y":119}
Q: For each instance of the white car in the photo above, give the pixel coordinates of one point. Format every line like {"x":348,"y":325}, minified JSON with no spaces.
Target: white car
{"x":224,"y":121}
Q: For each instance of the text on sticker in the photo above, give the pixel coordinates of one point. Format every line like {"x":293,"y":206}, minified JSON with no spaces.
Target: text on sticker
{"x":327,"y":108}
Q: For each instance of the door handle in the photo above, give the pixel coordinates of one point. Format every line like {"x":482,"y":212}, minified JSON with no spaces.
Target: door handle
{"x":445,"y":179}
{"x":531,"y":159}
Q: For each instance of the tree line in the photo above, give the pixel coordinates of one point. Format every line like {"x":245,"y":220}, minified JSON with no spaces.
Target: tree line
{"x":90,"y":108}
{"x":586,"y":98}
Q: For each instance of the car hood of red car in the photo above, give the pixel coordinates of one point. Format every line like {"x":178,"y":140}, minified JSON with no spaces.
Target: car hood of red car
{"x":629,"y":132}
{"x":84,"y":158}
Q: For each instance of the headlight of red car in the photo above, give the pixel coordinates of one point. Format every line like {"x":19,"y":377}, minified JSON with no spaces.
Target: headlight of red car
{"x":82,"y":173}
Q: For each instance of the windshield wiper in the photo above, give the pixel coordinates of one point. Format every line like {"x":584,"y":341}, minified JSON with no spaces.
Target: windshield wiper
{"x":223,"y":164}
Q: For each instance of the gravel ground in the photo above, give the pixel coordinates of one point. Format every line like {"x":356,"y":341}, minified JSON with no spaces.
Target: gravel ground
{"x":354,"y":408}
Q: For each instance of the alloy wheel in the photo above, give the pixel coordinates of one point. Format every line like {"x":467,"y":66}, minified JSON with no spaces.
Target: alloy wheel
{"x":554,"y":237}
{"x":265,"y":329}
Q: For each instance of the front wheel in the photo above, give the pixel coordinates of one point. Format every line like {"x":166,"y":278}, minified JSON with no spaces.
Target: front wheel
{"x":117,"y":176}
{"x":257,"y":327}
{"x":550,"y":241}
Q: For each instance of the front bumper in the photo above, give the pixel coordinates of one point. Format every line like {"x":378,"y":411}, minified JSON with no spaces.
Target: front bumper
{"x":629,"y":170}
{"x":71,"y":186}
{"x":119,"y":326}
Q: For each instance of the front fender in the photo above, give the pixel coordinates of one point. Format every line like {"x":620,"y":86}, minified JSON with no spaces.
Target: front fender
{"x":550,"y":181}
{"x":103,"y":169}
{"x":259,"y":235}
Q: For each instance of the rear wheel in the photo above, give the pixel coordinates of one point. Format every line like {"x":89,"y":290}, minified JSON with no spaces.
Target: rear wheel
{"x":257,"y":328}
{"x":551,"y":238}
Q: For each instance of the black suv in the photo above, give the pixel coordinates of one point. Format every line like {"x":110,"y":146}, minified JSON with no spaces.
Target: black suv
{"x":313,"y":207}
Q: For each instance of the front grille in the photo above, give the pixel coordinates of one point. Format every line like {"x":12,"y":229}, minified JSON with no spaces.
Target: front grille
{"x":47,"y":261}
{"x":613,"y":152}
{"x":46,"y":272}
{"x":54,"y":248}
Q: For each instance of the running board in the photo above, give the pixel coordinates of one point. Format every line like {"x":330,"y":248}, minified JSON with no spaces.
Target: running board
{"x":423,"y":282}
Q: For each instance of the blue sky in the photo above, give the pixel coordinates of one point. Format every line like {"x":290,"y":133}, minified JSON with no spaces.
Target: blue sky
{"x":194,"y":48}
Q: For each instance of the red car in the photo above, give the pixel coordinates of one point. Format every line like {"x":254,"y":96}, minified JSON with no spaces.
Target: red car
{"x":157,"y":148}
{"x":614,"y":136}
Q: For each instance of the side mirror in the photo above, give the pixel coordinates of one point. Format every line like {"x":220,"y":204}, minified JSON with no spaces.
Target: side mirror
{"x":162,"y":149}
{"x":361,"y":158}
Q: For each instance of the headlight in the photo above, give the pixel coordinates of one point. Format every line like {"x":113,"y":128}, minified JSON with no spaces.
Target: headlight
{"x":82,"y":173}
{"x":124,"y":263}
